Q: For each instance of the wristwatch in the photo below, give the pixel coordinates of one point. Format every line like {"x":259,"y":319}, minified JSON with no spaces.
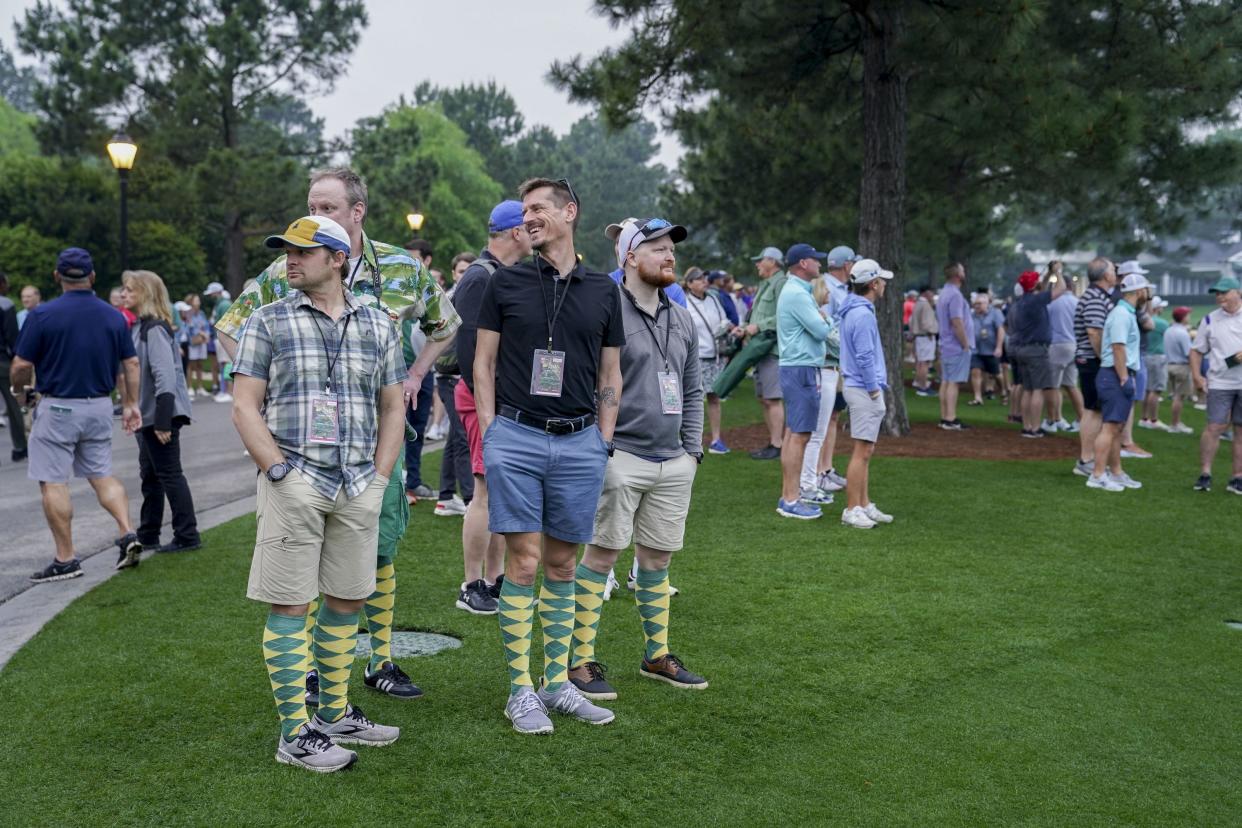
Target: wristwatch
{"x":611,"y":446}
{"x":277,"y":471}
{"x":698,"y":456}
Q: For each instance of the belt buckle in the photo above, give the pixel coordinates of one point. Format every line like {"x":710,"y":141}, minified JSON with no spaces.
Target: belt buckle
{"x":558,"y":427}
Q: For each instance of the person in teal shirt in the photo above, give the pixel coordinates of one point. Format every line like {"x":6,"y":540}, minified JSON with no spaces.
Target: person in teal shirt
{"x":1120,"y":360}
{"x":1157,"y":366}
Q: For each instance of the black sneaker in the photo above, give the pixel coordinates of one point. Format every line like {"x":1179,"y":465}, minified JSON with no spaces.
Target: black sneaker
{"x":768,"y":452}
{"x":179,"y":546}
{"x":312,"y":689}
{"x":130,"y":549}
{"x":475,"y":599}
{"x":494,"y":589}
{"x":1033,"y":434}
{"x":950,"y":425}
{"x":19,"y":455}
{"x":960,"y":426}
{"x":390,"y":679}
{"x":588,"y":677}
{"x":1204,"y":483}
{"x":57,"y":571}
{"x":670,"y":670}
{"x":1235,"y":486}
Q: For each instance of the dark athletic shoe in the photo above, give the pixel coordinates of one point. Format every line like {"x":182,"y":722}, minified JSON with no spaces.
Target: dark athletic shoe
{"x":494,"y":589}
{"x":19,"y":455}
{"x":948,"y":425}
{"x":960,"y":426}
{"x":1235,"y":486}
{"x":1033,"y":434}
{"x":1204,"y":483}
{"x":314,"y":751}
{"x":312,"y":689}
{"x":178,"y":546}
{"x":391,"y":680}
{"x":588,"y":677}
{"x":130,"y":549}
{"x":475,"y":599}
{"x":670,"y":670}
{"x":57,"y":571}
{"x":768,"y":452}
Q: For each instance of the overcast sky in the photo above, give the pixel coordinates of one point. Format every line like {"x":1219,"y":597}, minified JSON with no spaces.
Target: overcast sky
{"x":455,"y":42}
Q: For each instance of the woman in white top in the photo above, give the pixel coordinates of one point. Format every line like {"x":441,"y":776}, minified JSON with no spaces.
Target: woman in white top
{"x":710,"y":322}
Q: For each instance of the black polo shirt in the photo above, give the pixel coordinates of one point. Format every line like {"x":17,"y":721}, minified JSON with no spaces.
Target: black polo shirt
{"x":517,"y":304}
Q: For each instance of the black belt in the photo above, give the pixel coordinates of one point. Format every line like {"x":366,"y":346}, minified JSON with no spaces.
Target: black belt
{"x":548,"y":425}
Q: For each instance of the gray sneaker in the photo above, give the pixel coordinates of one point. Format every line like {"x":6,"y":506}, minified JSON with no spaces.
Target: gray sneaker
{"x":527,"y":712}
{"x":1084,"y":469}
{"x":314,"y":751}
{"x":354,"y":728}
{"x":570,"y":702}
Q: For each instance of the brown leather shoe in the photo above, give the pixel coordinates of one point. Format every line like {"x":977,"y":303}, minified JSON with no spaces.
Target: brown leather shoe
{"x":588,"y":677}
{"x":670,"y":670}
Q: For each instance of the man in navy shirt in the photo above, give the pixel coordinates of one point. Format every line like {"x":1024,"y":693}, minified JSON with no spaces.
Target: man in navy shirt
{"x":81,"y":349}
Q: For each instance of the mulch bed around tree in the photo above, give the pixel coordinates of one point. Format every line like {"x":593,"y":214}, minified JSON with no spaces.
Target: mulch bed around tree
{"x":929,"y":440}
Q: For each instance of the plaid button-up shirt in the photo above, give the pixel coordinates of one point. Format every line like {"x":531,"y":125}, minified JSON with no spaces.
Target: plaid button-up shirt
{"x":283,"y":343}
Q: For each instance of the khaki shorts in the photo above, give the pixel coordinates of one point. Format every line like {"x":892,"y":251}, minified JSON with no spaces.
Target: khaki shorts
{"x":308,"y":544}
{"x":1179,"y":380}
{"x":645,"y":502}
{"x":866,"y":414}
{"x":768,"y":379}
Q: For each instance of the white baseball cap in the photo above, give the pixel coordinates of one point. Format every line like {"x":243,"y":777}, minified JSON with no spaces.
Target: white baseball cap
{"x":1133,"y":282}
{"x":868,"y":270}
{"x":1158,"y":302}
{"x":1131,"y":266}
{"x":214,"y":287}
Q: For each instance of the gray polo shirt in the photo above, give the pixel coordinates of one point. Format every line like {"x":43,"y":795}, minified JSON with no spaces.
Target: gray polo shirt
{"x":643,"y":429}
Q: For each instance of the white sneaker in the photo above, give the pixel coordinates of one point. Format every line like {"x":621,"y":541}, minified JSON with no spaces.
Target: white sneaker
{"x":1159,"y":426}
{"x":1141,"y":454}
{"x":223,"y":397}
{"x":611,"y":584}
{"x":1181,"y":428}
{"x":857,"y":518}
{"x":1062,"y":425}
{"x":1104,"y":482}
{"x":830,"y":481}
{"x":873,"y":512}
{"x":1145,"y":424}
{"x":453,"y":507}
{"x":1049,"y":426}
{"x":1126,"y":481}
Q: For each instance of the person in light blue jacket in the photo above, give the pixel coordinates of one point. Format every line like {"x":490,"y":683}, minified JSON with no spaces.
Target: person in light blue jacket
{"x":866,"y":376}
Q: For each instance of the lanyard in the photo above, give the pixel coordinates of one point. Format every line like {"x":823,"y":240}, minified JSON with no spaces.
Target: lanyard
{"x":667,"y":330}
{"x":556,"y":306}
{"x":340,"y":346}
{"x":376,"y":280}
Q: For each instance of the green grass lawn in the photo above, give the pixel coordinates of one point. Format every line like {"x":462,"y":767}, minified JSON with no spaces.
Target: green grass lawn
{"x":1015,"y":649}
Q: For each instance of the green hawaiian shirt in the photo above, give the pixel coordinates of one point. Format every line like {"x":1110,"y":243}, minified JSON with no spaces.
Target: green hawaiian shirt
{"x":406,"y":291}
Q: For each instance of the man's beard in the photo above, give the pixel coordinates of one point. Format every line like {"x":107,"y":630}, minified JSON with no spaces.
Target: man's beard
{"x":657,"y":277}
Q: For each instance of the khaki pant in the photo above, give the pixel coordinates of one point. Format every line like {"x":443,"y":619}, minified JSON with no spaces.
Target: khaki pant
{"x":308,"y":544}
{"x":644,"y":501}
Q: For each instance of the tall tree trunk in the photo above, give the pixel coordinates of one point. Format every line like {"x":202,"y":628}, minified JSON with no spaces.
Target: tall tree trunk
{"x":882,"y":209}
{"x":234,"y":253}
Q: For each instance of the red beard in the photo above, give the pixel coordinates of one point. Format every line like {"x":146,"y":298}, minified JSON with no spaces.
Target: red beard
{"x":658,"y":278}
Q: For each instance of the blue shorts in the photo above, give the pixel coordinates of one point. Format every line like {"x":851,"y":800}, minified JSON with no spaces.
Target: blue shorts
{"x":539,"y":482}
{"x":800,"y":387}
{"x":955,"y":368}
{"x":1116,"y":399}
{"x":1140,"y":380}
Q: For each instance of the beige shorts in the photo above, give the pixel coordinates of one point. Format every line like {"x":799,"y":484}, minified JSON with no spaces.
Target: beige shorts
{"x":308,"y":544}
{"x":1179,"y":380}
{"x":645,"y":502}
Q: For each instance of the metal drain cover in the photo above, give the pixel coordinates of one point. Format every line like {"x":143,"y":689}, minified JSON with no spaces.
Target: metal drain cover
{"x":1237,"y":625}
{"x":406,"y":644}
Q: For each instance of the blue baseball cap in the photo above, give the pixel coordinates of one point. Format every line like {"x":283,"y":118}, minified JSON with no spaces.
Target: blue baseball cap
{"x":802,"y":251}
{"x":505,"y":216}
{"x":75,"y":263}
{"x":841,"y":255}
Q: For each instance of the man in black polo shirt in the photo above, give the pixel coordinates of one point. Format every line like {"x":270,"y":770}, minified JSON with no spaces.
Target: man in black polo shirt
{"x":548,"y":347}
{"x":1093,"y":307}
{"x":81,"y":348}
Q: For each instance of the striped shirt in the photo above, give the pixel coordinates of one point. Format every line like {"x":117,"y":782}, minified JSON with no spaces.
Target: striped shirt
{"x":290,"y":345}
{"x":1092,"y":312}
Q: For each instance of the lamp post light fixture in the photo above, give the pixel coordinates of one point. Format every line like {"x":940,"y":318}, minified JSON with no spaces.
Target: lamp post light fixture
{"x":415,"y":220}
{"x":122,"y":149}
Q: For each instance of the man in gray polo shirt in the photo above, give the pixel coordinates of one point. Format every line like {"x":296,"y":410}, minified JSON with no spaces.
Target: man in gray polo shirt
{"x":1220,"y":340}
{"x":658,"y":446}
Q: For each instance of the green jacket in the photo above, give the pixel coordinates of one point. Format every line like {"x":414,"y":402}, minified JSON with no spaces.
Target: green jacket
{"x":763,"y":312}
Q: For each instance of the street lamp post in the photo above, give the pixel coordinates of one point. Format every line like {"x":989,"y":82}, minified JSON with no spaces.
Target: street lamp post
{"x":121,"y":149}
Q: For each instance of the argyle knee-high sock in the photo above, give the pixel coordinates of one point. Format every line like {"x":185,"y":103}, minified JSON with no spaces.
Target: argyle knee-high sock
{"x":335,"y":637}
{"x":286,"y":653}
{"x":588,"y":604}
{"x":517,"y":616}
{"x":652,"y":599}
{"x":378,"y":610}
{"x":556,"y":617}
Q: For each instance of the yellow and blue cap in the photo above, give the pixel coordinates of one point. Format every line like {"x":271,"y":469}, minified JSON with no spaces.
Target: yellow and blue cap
{"x":312,"y":231}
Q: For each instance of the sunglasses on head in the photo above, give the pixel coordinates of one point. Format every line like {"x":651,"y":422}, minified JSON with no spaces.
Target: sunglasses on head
{"x":564,"y":182}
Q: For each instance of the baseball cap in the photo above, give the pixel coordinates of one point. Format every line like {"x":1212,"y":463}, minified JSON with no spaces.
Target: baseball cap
{"x":1029,"y":279}
{"x":214,"y":287}
{"x":715,"y":275}
{"x":1131,"y":266}
{"x":1158,"y":302}
{"x":74,"y":262}
{"x":1223,"y":284}
{"x":312,"y":231}
{"x":639,"y":231}
{"x":841,"y":255}
{"x":868,"y":270}
{"x":1181,"y":312}
{"x":1133,"y":282}
{"x":769,"y":253}
{"x":181,"y":307}
{"x":505,"y":216}
{"x":802,"y":251}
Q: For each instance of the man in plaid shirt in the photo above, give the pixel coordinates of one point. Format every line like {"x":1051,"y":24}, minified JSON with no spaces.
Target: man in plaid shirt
{"x":387,"y":277}
{"x":318,"y":404}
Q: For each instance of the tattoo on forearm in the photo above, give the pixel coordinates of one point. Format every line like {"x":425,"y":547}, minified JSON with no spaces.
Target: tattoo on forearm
{"x":608,"y":396}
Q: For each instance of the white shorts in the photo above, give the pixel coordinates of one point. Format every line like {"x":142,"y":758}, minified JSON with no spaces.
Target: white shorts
{"x":925,"y":348}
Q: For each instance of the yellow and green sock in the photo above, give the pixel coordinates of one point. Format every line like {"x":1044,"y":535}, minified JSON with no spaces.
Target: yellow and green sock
{"x":588,"y":604}
{"x":335,"y":637}
{"x":286,"y":652}
{"x":652,"y":599}
{"x":517,"y":614}
{"x":378,"y":610}
{"x":556,"y":617}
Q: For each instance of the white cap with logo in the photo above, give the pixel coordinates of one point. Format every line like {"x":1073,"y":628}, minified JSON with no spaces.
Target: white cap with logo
{"x":868,"y":270}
